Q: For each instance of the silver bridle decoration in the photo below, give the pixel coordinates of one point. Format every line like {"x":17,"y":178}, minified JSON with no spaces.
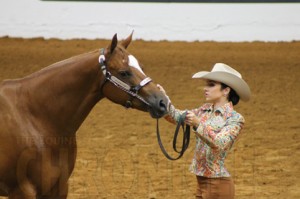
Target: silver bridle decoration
{"x":131,"y":90}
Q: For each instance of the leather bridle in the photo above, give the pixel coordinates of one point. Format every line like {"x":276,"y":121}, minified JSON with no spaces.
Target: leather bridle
{"x":133,"y":93}
{"x":131,"y":90}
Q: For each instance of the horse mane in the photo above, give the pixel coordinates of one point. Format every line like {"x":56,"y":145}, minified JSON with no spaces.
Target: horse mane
{"x":64,"y":63}
{"x":53,"y":67}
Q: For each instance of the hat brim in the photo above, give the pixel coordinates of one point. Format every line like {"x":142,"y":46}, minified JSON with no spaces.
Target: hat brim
{"x":236,"y":83}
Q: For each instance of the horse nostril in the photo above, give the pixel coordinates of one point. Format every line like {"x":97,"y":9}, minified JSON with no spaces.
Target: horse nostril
{"x":162,"y":105}
{"x":159,"y":109}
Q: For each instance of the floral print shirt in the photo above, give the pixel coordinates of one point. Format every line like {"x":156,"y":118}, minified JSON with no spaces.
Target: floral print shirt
{"x":215,"y":135}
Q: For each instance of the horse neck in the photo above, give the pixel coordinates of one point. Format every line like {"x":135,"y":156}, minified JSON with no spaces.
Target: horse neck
{"x":62,"y":95}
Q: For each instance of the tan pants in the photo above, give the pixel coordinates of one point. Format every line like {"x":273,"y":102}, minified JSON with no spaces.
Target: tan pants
{"x":214,"y":188}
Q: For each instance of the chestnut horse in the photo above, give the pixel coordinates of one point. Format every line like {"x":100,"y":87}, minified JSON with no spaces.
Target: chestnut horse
{"x":40,"y":114}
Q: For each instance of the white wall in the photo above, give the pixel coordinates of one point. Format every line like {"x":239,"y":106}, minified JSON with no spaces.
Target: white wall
{"x":150,"y":21}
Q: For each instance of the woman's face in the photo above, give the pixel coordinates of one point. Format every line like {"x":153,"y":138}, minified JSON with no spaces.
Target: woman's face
{"x":213,"y":92}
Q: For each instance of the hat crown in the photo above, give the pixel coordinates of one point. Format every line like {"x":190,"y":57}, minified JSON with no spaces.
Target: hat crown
{"x":229,"y":76}
{"x":220,"y":67}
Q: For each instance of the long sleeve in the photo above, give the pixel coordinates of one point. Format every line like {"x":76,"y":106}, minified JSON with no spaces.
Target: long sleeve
{"x":221,"y":138}
{"x":218,"y":130}
{"x":173,"y":115}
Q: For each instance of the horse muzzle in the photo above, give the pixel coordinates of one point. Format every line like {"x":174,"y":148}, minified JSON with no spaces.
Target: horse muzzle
{"x":158,"y":107}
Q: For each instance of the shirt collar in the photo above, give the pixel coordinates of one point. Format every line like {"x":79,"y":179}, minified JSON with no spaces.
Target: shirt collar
{"x":207,"y":107}
{"x":228,"y":107}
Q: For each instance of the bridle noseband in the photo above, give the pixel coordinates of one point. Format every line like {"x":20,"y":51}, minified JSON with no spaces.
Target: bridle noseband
{"x":133,"y":93}
{"x":131,"y":90}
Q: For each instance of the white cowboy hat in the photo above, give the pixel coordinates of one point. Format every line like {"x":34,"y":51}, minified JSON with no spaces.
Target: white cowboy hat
{"x":227,"y":75}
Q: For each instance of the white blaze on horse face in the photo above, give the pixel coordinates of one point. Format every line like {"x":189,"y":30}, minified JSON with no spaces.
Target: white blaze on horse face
{"x":134,"y":63}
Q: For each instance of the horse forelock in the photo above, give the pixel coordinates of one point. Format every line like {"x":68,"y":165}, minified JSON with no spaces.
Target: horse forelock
{"x":127,"y":58}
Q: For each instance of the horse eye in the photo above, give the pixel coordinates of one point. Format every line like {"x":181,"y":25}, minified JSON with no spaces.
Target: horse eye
{"x":125,"y":74}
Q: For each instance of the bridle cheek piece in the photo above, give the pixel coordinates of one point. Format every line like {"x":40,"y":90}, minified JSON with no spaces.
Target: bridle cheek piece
{"x":131,"y":90}
{"x":133,"y":93}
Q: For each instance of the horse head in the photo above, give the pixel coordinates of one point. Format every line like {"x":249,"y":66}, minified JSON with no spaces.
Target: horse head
{"x":126,"y":83}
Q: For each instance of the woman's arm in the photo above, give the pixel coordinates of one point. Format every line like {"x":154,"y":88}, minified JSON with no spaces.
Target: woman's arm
{"x":224,"y":139}
{"x":174,"y":114}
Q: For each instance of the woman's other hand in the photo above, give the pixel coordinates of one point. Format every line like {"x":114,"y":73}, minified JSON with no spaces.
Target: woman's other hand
{"x":192,"y":120}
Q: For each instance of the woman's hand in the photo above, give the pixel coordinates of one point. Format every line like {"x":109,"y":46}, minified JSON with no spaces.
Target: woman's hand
{"x":192,"y":120}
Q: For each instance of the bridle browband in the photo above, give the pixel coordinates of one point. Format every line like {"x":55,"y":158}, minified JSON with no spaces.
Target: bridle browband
{"x":131,"y":90}
{"x":133,"y":93}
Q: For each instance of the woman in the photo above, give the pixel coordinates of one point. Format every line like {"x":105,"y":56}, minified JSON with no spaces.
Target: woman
{"x":217,"y":126}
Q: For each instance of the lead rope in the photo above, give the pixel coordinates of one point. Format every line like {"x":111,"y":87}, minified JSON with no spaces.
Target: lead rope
{"x":185,"y":140}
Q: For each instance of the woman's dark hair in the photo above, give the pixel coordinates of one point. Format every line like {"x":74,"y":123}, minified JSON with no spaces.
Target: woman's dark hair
{"x":233,"y":96}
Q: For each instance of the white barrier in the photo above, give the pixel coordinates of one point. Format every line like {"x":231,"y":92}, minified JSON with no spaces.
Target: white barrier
{"x":151,"y":21}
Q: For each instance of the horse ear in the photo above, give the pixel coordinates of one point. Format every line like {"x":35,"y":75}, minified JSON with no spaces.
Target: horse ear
{"x":113,"y":44}
{"x":127,"y":41}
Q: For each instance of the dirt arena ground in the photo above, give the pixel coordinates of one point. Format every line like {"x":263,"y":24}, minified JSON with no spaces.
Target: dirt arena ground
{"x":118,"y":154}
